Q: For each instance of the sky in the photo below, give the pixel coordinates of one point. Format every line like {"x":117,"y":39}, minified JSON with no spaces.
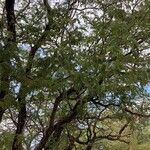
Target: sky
{"x":147,"y":88}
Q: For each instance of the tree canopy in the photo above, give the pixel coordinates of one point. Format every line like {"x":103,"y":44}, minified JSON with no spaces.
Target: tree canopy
{"x":73,"y":74}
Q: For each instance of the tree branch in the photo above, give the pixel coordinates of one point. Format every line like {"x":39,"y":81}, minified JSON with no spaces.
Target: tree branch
{"x":10,"y":20}
{"x":136,"y":113}
{"x":59,"y":125}
{"x":11,"y":38}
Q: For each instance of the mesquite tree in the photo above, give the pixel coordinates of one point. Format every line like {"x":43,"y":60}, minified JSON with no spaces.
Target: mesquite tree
{"x":72,"y":72}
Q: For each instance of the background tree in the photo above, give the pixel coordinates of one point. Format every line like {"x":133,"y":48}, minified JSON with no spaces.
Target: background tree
{"x":73,"y":73}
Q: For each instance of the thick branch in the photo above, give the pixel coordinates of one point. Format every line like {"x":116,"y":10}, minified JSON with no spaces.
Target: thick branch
{"x":59,"y":125}
{"x":17,"y":143}
{"x":10,"y":16}
{"x":10,"y":20}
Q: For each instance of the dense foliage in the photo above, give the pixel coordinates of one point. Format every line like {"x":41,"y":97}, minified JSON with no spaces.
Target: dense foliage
{"x":73,"y":74}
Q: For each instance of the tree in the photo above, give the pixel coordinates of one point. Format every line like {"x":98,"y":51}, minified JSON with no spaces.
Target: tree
{"x":71,"y":71}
